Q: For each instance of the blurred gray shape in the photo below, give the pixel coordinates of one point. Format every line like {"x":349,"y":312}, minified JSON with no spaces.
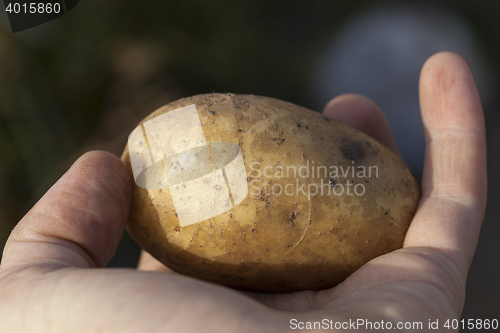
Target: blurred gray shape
{"x":379,"y":53}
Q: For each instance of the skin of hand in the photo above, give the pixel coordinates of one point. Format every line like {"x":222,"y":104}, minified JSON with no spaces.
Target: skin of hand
{"x":52,"y":276}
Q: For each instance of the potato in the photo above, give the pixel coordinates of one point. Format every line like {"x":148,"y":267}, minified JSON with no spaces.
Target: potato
{"x":259,"y":194}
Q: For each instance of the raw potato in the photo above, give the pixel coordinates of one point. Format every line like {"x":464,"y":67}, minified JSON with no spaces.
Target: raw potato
{"x":274,"y":242}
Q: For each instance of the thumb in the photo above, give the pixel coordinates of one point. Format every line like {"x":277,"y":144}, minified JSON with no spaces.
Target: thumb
{"x":79,"y":221}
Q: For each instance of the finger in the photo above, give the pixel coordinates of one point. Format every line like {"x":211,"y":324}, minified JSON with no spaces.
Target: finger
{"x":363,"y":114}
{"x":454,"y":181}
{"x":149,"y":263}
{"x":79,"y":221}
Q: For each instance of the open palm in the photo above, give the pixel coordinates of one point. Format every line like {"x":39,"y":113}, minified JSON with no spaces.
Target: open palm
{"x":52,"y":277}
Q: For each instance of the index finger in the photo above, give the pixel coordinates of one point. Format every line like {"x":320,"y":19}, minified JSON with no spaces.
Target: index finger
{"x":454,"y":182}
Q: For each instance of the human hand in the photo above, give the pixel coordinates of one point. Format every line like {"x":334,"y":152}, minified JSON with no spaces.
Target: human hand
{"x":52,"y":277}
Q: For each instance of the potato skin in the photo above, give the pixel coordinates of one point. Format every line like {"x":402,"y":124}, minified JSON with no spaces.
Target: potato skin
{"x":282,"y":243}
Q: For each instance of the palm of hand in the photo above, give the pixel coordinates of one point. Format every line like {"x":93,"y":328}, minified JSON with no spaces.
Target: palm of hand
{"x":41,"y":276}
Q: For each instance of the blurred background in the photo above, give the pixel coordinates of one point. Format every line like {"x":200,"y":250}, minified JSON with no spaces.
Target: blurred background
{"x":84,"y":80}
